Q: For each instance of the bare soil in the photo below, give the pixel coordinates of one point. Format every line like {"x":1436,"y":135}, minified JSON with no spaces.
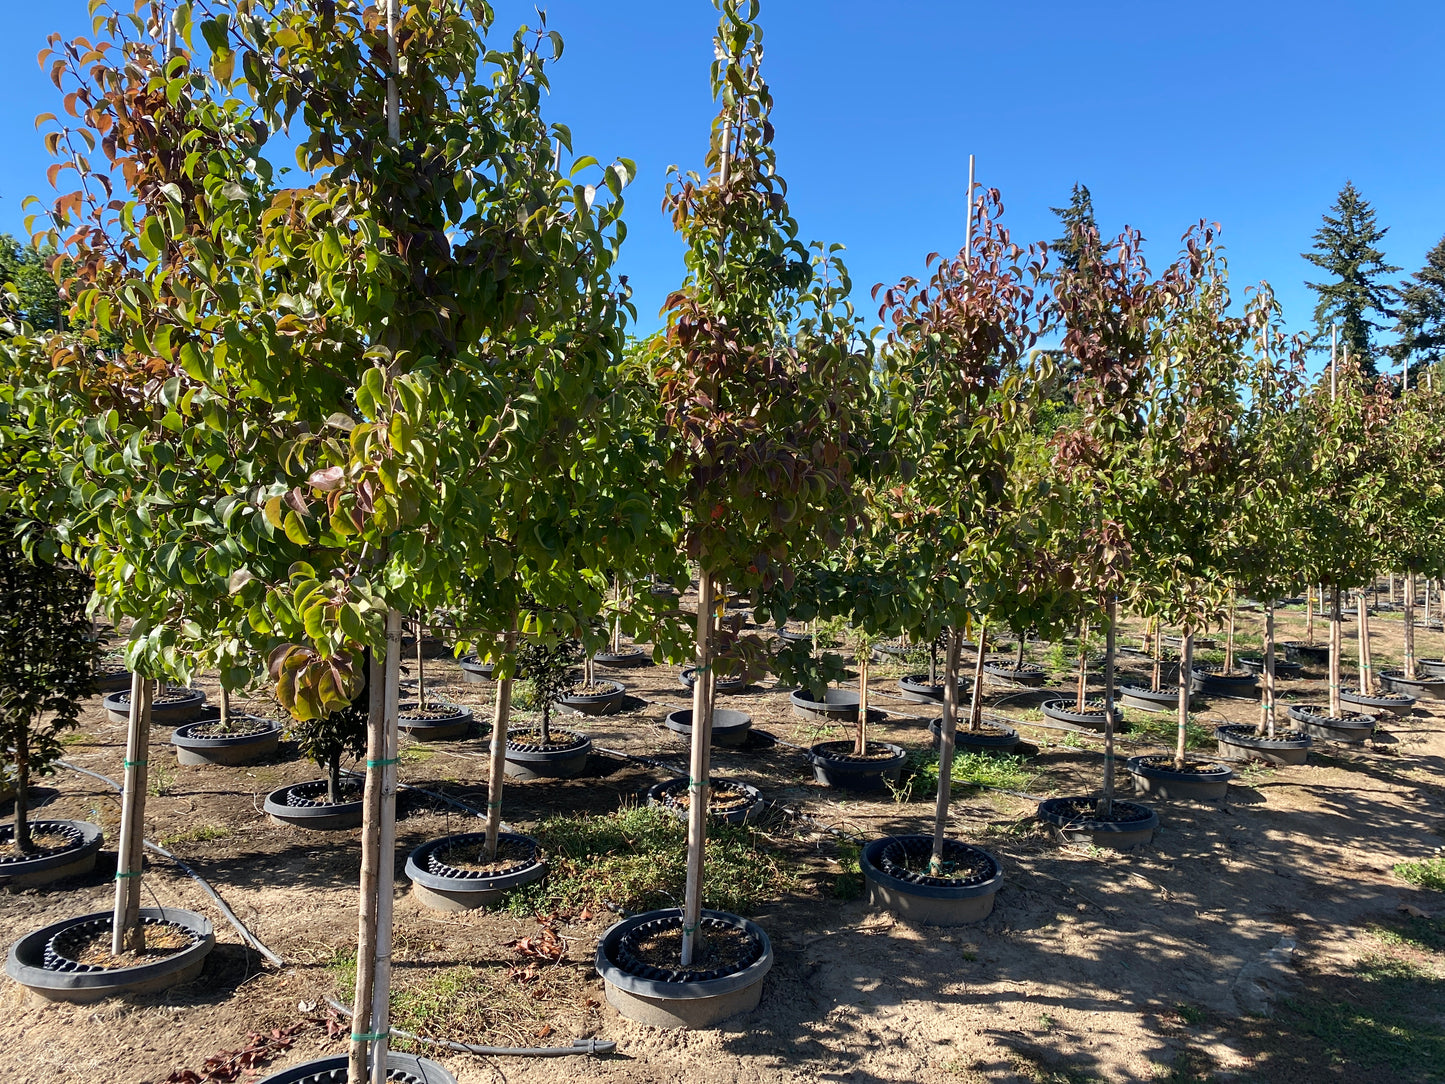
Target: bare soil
{"x":1093,"y":966}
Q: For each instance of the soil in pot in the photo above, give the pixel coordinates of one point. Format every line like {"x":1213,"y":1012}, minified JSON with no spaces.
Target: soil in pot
{"x":1245,"y":742}
{"x":916,"y":689}
{"x":1066,"y":711}
{"x":400,"y":1069}
{"x":469,"y":854}
{"x":1400,"y":704}
{"x":88,"y":948}
{"x":1158,"y":776}
{"x":835,"y":764}
{"x":990,"y":737}
{"x":1030,"y":675}
{"x":1284,"y":669}
{"x":170,"y":706}
{"x":58,"y":849}
{"x":47,"y":838}
{"x":624,"y":659}
{"x":727,"y":800}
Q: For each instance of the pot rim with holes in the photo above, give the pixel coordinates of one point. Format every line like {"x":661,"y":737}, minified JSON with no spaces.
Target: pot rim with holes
{"x":443,"y":887}
{"x":293,"y":805}
{"x":920,"y":897}
{"x":27,"y":960}
{"x":76,"y":858}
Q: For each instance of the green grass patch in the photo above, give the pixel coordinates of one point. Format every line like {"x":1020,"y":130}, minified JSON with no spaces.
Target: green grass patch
{"x":1416,"y":932}
{"x":920,"y":776}
{"x":635,"y":860}
{"x":1427,"y":874}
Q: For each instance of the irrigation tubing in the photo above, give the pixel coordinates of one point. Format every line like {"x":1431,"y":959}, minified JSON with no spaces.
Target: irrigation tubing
{"x":579,"y":1046}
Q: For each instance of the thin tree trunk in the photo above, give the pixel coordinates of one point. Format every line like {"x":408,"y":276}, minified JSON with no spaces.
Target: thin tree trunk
{"x":1362,"y":638}
{"x":699,"y":765}
{"x":225,"y":710}
{"x":1229,"y":641}
{"x":22,"y":790}
{"x":1019,"y":664}
{"x":127,"y":933}
{"x":1335,"y":645}
{"x":1309,"y":615}
{"x":1105,"y":807}
{"x":420,"y":676}
{"x":333,"y":778}
{"x":1082,"y":692}
{"x":497,"y":767}
{"x":975,"y":701}
{"x":1267,"y":696}
{"x":1156,"y":676}
{"x":947,"y":734}
{"x":1409,"y":578}
{"x":1186,"y":667}
{"x":1148,"y":634}
{"x":860,"y":746}
{"x":1392,"y":589}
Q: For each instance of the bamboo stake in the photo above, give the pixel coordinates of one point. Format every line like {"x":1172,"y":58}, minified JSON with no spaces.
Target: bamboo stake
{"x":1409,"y":625}
{"x":366,"y":909}
{"x":386,"y":872}
{"x":1229,"y":640}
{"x":1309,"y":615}
{"x":1156,"y":677}
{"x":698,"y":767}
{"x":1267,"y":695}
{"x":860,"y":746}
{"x":1082,"y":692}
{"x":127,"y":933}
{"x":1335,"y":641}
{"x":1186,"y":667}
{"x":1105,"y":808}
{"x":947,"y":734}
{"x":497,"y":767}
{"x":420,"y":676}
{"x":975,"y":701}
{"x":1362,"y":639}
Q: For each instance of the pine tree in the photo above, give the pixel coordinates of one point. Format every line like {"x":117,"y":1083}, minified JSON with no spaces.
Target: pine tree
{"x":1346,"y":247}
{"x":1422,"y":314}
{"x":1077,"y":219}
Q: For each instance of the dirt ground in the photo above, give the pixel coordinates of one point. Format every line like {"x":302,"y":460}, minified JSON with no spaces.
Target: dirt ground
{"x":1224,"y":951}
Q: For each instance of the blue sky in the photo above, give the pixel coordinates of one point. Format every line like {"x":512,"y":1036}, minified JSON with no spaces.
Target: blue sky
{"x":1249,"y":114}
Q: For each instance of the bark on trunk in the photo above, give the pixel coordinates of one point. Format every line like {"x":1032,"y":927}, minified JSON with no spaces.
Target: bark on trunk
{"x":1267,"y":695}
{"x":497,"y":767}
{"x":1362,"y":636}
{"x":22,"y":790}
{"x":947,"y":734}
{"x":860,"y":745}
{"x":1082,"y":692}
{"x":1105,"y":807}
{"x":127,"y":932}
{"x":1229,"y":642}
{"x":1186,"y":666}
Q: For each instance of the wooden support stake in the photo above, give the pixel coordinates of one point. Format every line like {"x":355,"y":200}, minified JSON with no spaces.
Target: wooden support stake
{"x":1410,"y":625}
{"x":1267,"y":696}
{"x":1186,"y":667}
{"x":126,"y":933}
{"x":699,"y":765}
{"x":497,"y":766}
{"x":1105,"y":807}
{"x":1335,"y":645}
{"x":947,"y":735}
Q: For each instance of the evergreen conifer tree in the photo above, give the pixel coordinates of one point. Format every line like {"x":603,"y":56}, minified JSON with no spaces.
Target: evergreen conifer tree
{"x":1422,"y":313}
{"x":1077,"y":218}
{"x":1356,"y":295}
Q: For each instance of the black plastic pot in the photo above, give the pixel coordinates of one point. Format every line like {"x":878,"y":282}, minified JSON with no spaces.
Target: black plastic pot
{"x":563,"y":759}
{"x":992,"y":737}
{"x":663,"y":795}
{"x":1030,"y":675}
{"x":112,"y":679}
{"x":83,"y":841}
{"x":1092,"y":717}
{"x":919,"y":897}
{"x":1076,"y":821}
{"x":1155,"y":777}
{"x":795,"y":637}
{"x":400,"y":1069}
{"x":596,"y":703}
{"x":1352,"y":728}
{"x":1306,"y":654}
{"x":625,"y":659}
{"x":735,"y":683}
{"x":1427,"y":688}
{"x":837,"y":705}
{"x":677,"y":998}
{"x":474,"y":670}
{"x":304,"y":805}
{"x":1401,"y":704}
{"x":442,"y":887}
{"x":1165,"y":699}
{"x":834,"y":765}
{"x":228,"y":749}
{"x":1284,"y":668}
{"x":1431,"y":667}
{"x":181,"y":706}
{"x":1213,"y":681}
{"x":728,"y":727}
{"x":1242,"y":742}
{"x":916,"y":689}
{"x":35,"y":964}
{"x":454,"y":724}
{"x":1201,"y":643}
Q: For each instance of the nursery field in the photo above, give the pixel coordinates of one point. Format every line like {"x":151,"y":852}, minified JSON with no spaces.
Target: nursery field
{"x":1280,"y":935}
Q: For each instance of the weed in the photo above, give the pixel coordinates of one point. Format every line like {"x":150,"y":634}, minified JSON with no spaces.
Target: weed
{"x":1163,"y":727}
{"x":161,"y":780}
{"x":816,"y":732}
{"x":920,"y":777}
{"x":848,"y":884}
{"x":1418,"y":932}
{"x":1188,"y":1067}
{"x":1036,"y":1071}
{"x":1073,"y":741}
{"x":417,"y":754}
{"x":1427,"y":874}
{"x":635,"y":860}
{"x":1191,"y":1015}
{"x":201,"y":833}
